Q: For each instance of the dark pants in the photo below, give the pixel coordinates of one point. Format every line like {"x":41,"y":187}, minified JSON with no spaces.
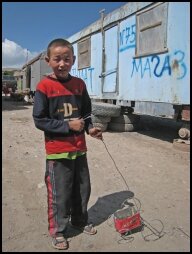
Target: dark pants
{"x":68,"y":189}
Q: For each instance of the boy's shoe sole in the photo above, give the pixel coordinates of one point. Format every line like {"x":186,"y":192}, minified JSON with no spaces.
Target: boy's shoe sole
{"x":60,"y":240}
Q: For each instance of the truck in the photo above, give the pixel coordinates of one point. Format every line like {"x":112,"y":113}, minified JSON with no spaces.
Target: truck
{"x":9,"y":84}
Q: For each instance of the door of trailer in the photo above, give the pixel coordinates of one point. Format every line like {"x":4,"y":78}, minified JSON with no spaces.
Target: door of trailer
{"x":110,"y":62}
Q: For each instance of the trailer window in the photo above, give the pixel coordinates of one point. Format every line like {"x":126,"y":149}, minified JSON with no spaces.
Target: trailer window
{"x":84,"y":54}
{"x":152,"y":30}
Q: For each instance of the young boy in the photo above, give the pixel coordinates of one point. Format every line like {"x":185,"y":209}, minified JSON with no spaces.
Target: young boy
{"x":61,"y":104}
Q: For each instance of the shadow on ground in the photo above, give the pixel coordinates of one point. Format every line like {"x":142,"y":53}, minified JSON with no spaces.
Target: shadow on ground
{"x":158,"y":128}
{"x":105,"y":206}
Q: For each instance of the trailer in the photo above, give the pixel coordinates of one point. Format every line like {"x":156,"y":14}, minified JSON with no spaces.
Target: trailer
{"x":34,"y":71}
{"x":137,"y":57}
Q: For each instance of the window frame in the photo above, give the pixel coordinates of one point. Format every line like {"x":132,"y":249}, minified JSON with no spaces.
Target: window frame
{"x":81,"y":64}
{"x":162,"y":23}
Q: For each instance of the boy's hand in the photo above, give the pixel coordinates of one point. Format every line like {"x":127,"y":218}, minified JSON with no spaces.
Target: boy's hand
{"x":76,"y":124}
{"x":96,"y":132}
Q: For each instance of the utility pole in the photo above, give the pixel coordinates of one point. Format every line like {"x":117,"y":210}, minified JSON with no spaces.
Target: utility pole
{"x":102,"y":13}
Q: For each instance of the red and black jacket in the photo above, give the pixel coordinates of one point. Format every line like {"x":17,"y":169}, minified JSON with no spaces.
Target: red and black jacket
{"x":56,"y":102}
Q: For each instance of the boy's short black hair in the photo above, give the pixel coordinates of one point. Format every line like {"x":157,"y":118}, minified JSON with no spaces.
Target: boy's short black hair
{"x":59,"y":42}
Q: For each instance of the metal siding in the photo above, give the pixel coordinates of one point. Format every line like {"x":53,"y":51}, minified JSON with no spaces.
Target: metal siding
{"x":154,"y":109}
{"x":111,"y":56}
{"x":44,"y":68}
{"x":96,"y":64}
{"x":74,"y":69}
{"x":24,"y":81}
{"x":157,"y":78}
{"x":91,"y":75}
{"x":127,"y":40}
{"x":38,"y":70}
{"x":35,"y":74}
{"x":154,"y":82}
{"x":179,"y":45}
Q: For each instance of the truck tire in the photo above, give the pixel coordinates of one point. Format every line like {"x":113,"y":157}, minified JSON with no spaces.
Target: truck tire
{"x":121,"y":127}
{"x":105,"y":109}
{"x":100,"y":119}
{"x":102,"y":126}
{"x":126,"y":118}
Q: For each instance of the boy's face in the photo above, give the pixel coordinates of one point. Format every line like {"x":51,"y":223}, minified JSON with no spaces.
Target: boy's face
{"x":61,"y":60}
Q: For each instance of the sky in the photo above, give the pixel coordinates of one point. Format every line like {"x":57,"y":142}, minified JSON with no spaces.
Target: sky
{"x":28,"y":27}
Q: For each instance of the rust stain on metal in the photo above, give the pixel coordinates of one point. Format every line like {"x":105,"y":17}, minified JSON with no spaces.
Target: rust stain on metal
{"x":175,"y":99}
{"x":175,"y":68}
{"x":186,"y":113}
{"x":175,"y":65}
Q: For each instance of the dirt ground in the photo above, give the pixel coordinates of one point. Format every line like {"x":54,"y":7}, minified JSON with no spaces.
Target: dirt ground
{"x":156,"y":173}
